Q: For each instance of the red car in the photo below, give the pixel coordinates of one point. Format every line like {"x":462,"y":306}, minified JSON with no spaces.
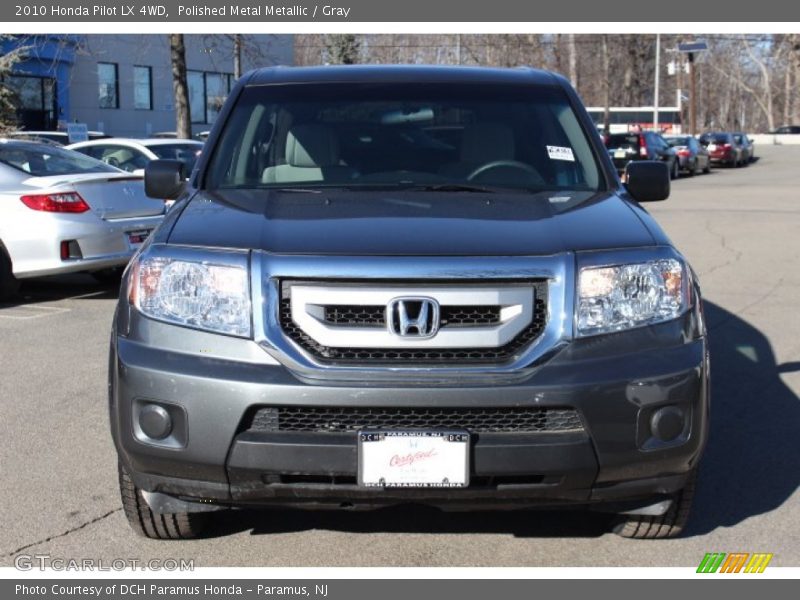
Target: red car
{"x":723,"y":149}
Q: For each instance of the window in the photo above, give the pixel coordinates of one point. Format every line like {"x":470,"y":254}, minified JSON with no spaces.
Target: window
{"x":207,"y":94}
{"x":197,"y":96}
{"x":35,"y":102}
{"x":108,"y":85}
{"x":143,"y":88}
{"x":216,"y":92}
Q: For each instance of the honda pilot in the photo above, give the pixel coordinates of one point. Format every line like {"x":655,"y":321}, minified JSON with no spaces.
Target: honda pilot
{"x":389,"y":285}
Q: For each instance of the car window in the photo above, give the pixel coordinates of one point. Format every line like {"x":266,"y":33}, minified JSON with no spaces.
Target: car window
{"x":121,"y":157}
{"x":187,"y":152}
{"x":403,"y":135}
{"x":679,"y":141}
{"x":40,"y":160}
{"x":93,"y":151}
{"x":625,"y":140}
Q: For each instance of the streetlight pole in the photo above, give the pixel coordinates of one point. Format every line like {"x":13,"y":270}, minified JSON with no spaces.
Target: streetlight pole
{"x":658,"y":72}
{"x":693,"y":93}
{"x":690,"y":49}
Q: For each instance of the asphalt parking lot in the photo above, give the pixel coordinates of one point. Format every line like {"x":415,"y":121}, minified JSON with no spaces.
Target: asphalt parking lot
{"x":740,"y":228}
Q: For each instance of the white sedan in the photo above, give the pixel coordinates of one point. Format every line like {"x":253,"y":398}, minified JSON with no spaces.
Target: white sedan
{"x":62,"y":212}
{"x":132,"y":155}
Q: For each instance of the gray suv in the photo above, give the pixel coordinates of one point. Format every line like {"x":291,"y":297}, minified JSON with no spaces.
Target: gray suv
{"x":386,"y":285}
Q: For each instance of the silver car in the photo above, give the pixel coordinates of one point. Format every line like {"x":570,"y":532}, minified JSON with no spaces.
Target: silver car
{"x":62,"y":212}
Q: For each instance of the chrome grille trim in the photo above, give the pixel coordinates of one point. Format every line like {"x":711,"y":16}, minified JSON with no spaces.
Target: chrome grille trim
{"x":269,"y":271}
{"x":309,"y":301}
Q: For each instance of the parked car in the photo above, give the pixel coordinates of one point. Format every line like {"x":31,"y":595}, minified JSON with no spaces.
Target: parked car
{"x":723,"y":149}
{"x":786,"y":130}
{"x":62,"y":212}
{"x":692,"y":155}
{"x":747,"y":145}
{"x":132,"y":155}
{"x":647,"y":145}
{"x":59,"y":137}
{"x":344,"y":310}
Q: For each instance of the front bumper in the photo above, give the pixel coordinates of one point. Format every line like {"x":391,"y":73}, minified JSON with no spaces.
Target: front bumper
{"x":210,"y":384}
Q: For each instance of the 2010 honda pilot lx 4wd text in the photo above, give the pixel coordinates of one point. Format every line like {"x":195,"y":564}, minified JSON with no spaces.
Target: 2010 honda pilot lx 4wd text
{"x":388,"y":285}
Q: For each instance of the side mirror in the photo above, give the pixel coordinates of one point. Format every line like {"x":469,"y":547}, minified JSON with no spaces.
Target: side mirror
{"x":164,"y":179}
{"x":647,"y":180}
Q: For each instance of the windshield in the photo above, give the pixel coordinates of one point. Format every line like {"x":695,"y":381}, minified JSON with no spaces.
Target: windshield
{"x":43,"y":160}
{"x":678,"y":141}
{"x":187,"y":152}
{"x":716,"y":138}
{"x":403,"y":135}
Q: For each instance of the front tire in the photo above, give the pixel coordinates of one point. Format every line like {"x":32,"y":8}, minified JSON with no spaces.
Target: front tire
{"x":9,"y":285}
{"x":157,"y":526}
{"x":669,"y":525}
{"x":676,"y":170}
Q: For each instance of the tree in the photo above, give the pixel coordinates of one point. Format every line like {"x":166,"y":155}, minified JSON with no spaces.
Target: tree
{"x":9,"y":99}
{"x":342,"y":49}
{"x":183,"y":123}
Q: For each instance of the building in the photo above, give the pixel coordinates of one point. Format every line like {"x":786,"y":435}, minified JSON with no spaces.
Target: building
{"x":122,"y":84}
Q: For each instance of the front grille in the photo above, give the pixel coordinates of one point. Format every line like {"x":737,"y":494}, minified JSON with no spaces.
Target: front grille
{"x":351,"y":419}
{"x":355,"y":315}
{"x":451,"y":316}
{"x":375,"y":316}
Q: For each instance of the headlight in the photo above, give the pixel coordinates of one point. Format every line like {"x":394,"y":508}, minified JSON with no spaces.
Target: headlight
{"x":620,"y":297}
{"x":199,"y":294}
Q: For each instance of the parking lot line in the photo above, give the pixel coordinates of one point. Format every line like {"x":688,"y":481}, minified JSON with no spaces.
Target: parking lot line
{"x":22,"y":313}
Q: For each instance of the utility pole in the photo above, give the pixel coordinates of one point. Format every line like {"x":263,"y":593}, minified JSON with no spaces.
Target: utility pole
{"x":658,"y":72}
{"x":691,"y":49}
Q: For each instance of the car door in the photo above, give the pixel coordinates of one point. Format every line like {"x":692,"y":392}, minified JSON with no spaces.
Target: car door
{"x":741,"y":144}
{"x":701,"y":152}
{"x":663,"y":150}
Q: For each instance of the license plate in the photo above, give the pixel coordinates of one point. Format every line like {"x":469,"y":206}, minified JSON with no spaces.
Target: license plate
{"x":712,"y":147}
{"x":138,"y":237}
{"x":413,"y":458}
{"x":620,"y":154}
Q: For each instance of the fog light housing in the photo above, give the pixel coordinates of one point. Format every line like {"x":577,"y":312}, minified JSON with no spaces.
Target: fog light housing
{"x":155,"y":422}
{"x":667,"y":423}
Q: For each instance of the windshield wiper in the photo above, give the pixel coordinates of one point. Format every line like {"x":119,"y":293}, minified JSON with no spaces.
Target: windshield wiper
{"x":455,"y":187}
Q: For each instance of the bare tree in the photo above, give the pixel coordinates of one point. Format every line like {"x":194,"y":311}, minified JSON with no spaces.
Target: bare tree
{"x":606,"y":82}
{"x":183,"y":123}
{"x":573,"y":60}
{"x":744,"y":81}
{"x":342,"y":49}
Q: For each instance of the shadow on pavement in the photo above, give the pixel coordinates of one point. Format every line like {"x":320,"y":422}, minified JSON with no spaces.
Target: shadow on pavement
{"x":62,"y":287}
{"x":416,"y":519}
{"x":751,"y":465}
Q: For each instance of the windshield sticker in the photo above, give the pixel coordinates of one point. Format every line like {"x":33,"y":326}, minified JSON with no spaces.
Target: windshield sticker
{"x":560,"y":153}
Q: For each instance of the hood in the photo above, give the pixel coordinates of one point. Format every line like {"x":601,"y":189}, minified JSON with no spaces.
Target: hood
{"x":409,"y":223}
